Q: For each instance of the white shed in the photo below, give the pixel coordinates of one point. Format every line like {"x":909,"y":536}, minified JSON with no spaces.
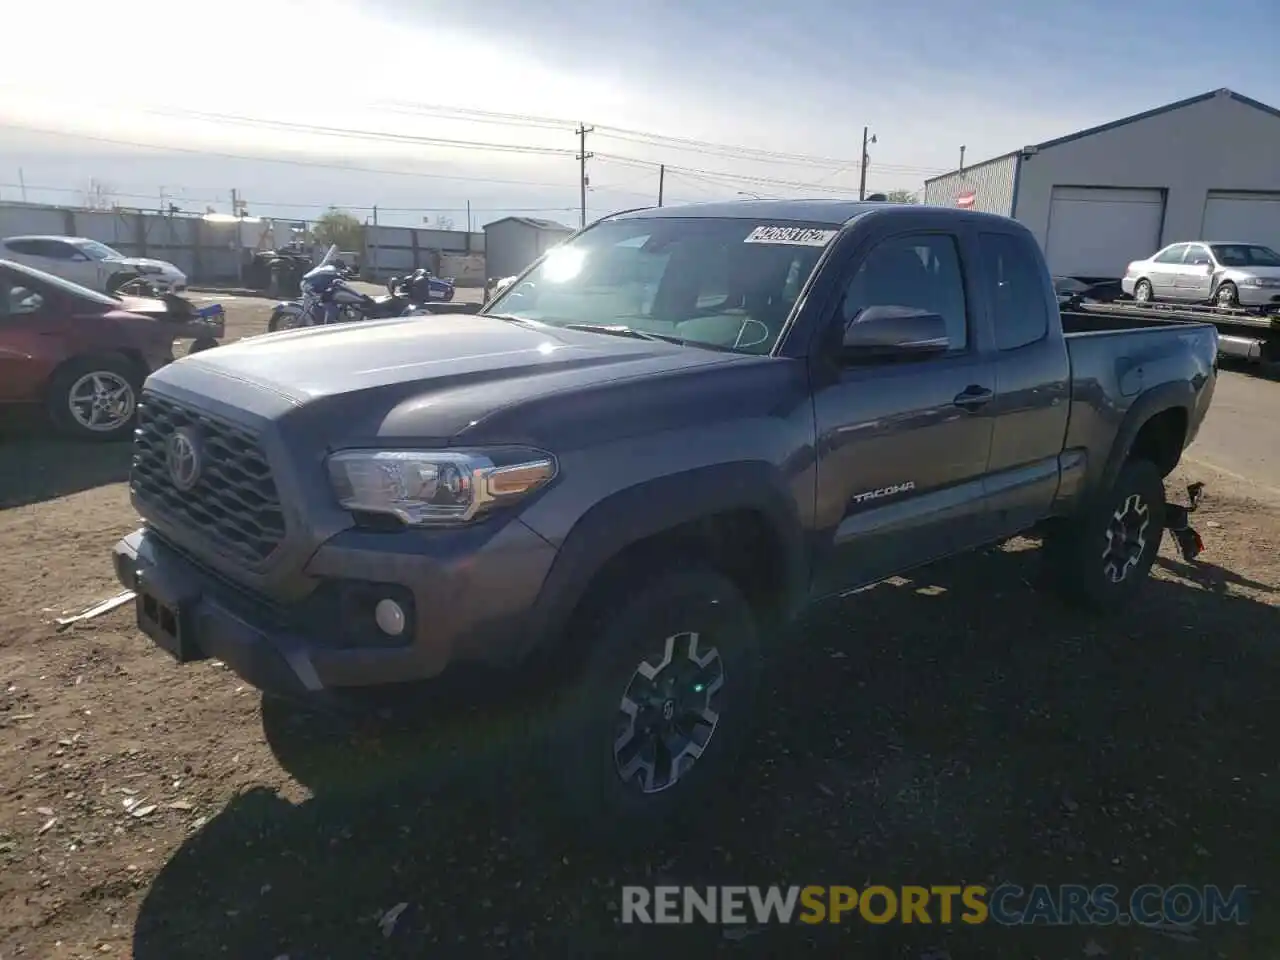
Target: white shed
{"x":512,"y":243}
{"x":1199,"y":169}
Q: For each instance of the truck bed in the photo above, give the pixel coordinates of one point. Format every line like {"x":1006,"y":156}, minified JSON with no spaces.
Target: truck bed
{"x":1241,"y":335}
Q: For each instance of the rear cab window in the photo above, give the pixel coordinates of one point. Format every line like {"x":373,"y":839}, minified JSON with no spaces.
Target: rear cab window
{"x":1015,"y":290}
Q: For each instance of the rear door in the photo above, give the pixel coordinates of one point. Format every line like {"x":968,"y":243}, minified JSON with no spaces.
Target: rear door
{"x":902,"y":446}
{"x":1033,"y":373}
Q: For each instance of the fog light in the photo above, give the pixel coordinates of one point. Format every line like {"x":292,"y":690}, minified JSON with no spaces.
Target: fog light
{"x":389,"y":616}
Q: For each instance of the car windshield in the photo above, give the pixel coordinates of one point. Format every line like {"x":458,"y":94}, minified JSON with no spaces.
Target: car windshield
{"x":97,"y":251}
{"x":717,"y":282}
{"x":66,"y":286}
{"x":1245,"y":255}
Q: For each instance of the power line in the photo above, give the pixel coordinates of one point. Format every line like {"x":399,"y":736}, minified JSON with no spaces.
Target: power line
{"x":647,"y":137}
{"x":379,"y":135}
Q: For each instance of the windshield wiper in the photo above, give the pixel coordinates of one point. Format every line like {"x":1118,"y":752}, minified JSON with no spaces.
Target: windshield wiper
{"x":512,"y":318}
{"x":621,"y":330}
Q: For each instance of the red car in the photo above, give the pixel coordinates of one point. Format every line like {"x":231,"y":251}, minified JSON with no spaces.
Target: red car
{"x":82,"y":355}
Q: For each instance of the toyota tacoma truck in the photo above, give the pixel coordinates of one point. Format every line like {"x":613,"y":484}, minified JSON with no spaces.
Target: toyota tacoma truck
{"x":645,"y":457}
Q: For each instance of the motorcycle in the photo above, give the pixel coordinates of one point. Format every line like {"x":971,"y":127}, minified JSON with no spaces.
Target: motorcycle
{"x":327,"y":297}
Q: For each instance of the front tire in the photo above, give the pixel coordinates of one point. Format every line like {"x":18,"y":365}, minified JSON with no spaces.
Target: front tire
{"x":1142,"y":292}
{"x":662,"y":707}
{"x":1226,"y":296}
{"x":95,"y":398}
{"x":1100,"y":559}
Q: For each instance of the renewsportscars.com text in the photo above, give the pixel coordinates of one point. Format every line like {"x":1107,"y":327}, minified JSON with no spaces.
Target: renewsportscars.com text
{"x":1006,"y":905}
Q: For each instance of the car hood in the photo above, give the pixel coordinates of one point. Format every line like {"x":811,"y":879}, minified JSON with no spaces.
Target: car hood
{"x":143,"y":262}
{"x":431,"y":376}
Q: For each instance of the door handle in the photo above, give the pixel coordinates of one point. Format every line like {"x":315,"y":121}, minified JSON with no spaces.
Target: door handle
{"x":973,"y":397}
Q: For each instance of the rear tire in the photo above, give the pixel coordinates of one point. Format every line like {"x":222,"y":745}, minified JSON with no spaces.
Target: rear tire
{"x":96,"y":398}
{"x":1100,"y":558}
{"x":1142,"y":292}
{"x":613,"y":732}
{"x":202,"y":344}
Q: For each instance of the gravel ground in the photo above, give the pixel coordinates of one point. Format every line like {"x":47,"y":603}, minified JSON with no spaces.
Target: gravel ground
{"x":959,"y":726}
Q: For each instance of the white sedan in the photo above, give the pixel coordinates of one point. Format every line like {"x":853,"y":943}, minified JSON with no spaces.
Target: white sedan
{"x":1226,"y":274}
{"x":90,"y":263}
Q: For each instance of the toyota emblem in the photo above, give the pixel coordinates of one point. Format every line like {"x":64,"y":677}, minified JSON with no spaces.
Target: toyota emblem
{"x":184,"y":458}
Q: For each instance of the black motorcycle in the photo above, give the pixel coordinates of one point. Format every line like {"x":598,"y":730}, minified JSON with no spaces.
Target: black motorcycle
{"x":328,"y":297}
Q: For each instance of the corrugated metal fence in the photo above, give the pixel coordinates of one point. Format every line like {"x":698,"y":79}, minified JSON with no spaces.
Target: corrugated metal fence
{"x":213,"y":250}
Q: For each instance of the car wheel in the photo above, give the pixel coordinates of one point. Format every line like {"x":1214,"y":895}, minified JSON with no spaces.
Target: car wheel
{"x":1226,"y":296}
{"x":1142,"y":292}
{"x":202,"y":344}
{"x":661,"y":708}
{"x":96,"y":398}
{"x":118,"y":280}
{"x":1100,"y":560}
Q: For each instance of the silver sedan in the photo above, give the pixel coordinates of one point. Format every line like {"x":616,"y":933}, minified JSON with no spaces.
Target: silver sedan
{"x":1225,"y":274}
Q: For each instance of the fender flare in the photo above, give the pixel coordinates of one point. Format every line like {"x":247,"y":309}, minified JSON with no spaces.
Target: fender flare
{"x":654,"y":506}
{"x":1167,"y":396}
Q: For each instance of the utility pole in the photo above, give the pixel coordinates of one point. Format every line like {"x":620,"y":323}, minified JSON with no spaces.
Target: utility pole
{"x":862,"y":179}
{"x":468,"y":217}
{"x":582,"y":158}
{"x":962,"y":158}
{"x":662,"y":176}
{"x":22,"y":185}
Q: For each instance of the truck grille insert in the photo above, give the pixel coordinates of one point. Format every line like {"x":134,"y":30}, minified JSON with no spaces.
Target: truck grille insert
{"x":233,"y":500}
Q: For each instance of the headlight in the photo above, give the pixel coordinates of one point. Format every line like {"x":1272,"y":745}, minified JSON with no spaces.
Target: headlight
{"x":148,"y":268}
{"x":1260,"y":282}
{"x":434,"y":487}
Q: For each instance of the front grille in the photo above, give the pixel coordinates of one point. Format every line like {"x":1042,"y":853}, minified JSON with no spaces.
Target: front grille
{"x":234,"y":502}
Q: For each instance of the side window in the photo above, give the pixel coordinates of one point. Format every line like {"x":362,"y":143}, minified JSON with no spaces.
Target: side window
{"x":1196,"y":255}
{"x":917,"y":271}
{"x":55,"y":250}
{"x":22,"y":247}
{"x":17,"y":301}
{"x":1171,"y":254}
{"x":1015,"y":290}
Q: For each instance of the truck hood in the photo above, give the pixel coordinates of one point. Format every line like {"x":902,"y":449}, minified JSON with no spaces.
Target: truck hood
{"x":431,"y":376}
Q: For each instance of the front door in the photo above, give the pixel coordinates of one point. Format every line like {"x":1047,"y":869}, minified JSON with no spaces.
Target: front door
{"x":1164,"y":270}
{"x":29,"y":339}
{"x":1196,"y":275}
{"x":902,"y":446}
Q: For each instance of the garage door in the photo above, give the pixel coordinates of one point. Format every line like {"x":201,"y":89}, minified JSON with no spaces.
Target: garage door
{"x":1243,"y":216}
{"x":1096,"y":231}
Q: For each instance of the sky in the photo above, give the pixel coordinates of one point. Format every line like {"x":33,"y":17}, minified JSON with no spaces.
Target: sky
{"x":202,"y":98}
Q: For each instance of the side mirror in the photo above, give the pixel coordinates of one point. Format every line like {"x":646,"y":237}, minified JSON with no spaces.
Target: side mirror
{"x":892,"y":331}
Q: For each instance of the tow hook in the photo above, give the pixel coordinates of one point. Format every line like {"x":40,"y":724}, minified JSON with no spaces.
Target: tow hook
{"x":1178,"y":522}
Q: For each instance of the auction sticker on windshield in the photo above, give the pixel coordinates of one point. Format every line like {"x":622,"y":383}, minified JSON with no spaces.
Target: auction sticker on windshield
{"x":791,"y":236}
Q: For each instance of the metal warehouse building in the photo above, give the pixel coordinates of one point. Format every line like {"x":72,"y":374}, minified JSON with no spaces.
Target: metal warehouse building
{"x":1204,"y":168}
{"x":512,"y":243}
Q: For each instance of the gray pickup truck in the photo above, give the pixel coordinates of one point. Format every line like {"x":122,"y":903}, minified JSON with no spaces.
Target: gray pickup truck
{"x":640,"y":461}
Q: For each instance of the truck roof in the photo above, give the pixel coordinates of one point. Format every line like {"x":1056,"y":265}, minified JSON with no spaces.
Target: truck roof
{"x":837,"y":213}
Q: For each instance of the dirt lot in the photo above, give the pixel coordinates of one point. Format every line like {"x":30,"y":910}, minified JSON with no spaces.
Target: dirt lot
{"x":957,"y":727}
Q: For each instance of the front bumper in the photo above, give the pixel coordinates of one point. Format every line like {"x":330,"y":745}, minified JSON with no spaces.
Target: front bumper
{"x":1258,"y":296}
{"x":467,"y":606}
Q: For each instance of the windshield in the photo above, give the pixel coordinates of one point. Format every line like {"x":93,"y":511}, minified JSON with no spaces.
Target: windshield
{"x":1245,"y":255}
{"x":98,"y":251}
{"x":66,"y":286}
{"x":721,"y":282}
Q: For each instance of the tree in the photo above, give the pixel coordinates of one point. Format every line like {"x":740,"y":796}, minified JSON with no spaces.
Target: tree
{"x":901,"y":196}
{"x":338,"y":226}
{"x":99,"y":195}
